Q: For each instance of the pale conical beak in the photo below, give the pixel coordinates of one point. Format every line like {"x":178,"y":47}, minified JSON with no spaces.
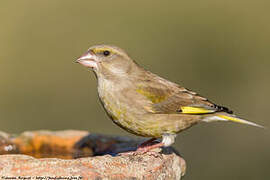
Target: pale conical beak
{"x":87,"y":60}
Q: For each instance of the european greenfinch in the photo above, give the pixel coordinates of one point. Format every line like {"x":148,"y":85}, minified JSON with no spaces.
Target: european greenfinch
{"x":145,"y":104}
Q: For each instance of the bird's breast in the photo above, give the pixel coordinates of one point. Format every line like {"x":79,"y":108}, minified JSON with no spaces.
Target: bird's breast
{"x":111,"y":99}
{"x":122,"y":107}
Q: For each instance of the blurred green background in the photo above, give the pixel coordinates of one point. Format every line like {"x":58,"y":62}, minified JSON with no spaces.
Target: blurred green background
{"x":217,"y":48}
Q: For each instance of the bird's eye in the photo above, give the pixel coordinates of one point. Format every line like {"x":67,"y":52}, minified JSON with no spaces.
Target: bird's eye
{"x":106,"y":53}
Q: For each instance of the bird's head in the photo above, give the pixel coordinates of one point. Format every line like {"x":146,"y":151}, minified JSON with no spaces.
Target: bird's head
{"x":107,"y":60}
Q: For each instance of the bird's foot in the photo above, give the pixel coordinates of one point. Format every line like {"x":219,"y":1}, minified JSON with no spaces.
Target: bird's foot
{"x":150,"y":150}
{"x":145,"y":143}
{"x":145,"y":150}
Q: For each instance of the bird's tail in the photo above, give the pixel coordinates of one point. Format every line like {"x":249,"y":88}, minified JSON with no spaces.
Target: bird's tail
{"x":225,"y":117}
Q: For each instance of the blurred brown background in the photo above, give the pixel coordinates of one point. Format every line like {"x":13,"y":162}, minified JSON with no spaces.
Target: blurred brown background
{"x":217,"y":48}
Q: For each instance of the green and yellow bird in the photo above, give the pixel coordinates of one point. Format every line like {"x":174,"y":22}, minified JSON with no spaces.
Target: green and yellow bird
{"x":144,"y":103}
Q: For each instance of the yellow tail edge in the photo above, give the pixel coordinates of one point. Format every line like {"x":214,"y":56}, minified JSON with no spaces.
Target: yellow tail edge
{"x":238,"y":120}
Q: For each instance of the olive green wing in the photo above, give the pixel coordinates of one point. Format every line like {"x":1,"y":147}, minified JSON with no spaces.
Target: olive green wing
{"x":175,"y":99}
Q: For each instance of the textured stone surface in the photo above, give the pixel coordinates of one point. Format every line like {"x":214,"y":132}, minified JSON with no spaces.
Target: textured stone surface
{"x":105,"y":162}
{"x":119,"y":167}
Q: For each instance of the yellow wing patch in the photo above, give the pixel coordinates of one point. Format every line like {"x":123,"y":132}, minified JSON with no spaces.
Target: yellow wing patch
{"x":195,"y":110}
{"x":151,"y":96}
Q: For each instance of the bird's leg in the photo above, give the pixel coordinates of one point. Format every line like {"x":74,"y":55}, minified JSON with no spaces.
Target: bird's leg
{"x":167,"y":140}
{"x":145,"y":149}
{"x":145,"y":143}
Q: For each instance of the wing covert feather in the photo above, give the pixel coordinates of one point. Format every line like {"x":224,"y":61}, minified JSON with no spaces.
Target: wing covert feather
{"x":168,"y":97}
